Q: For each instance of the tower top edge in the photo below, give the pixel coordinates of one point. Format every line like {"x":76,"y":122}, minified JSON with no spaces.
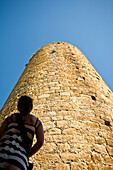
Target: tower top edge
{"x":58,"y":42}
{"x":53,"y":45}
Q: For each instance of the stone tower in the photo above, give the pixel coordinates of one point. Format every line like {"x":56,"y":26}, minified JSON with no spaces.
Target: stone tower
{"x":74,"y":105}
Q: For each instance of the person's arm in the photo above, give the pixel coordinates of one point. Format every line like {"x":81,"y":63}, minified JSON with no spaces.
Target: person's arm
{"x":4,"y":126}
{"x":40,"y":139}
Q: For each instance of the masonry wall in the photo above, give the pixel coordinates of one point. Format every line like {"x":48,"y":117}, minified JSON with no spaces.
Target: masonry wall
{"x":74,"y":105}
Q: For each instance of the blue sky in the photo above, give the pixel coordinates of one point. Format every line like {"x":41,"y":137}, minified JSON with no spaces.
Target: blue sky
{"x":27,"y":25}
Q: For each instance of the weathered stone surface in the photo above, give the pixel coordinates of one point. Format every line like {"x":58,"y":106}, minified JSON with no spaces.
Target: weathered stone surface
{"x":99,"y":149}
{"x":110,"y":150}
{"x":62,"y":166}
{"x":97,"y":158}
{"x":78,"y":166}
{"x":63,"y":147}
{"x":66,"y":157}
{"x":93,"y":166}
{"x":74,"y":105}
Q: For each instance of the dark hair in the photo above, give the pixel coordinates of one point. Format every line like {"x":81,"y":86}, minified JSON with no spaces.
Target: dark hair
{"x":25,"y":104}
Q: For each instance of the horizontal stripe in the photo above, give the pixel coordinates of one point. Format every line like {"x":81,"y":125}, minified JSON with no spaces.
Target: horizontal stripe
{"x":13,"y":148}
{"x":14,"y":136}
{"x":6,"y":166}
{"x":27,"y":127}
{"x":17,"y":140}
{"x":30,"y":131}
{"x":11,"y":139}
{"x":13,"y":162}
{"x":14,"y":157}
{"x":11,"y":145}
{"x":11,"y":132}
{"x":12,"y":142}
{"x":14,"y":122}
{"x":16,"y":154}
{"x":8,"y":142}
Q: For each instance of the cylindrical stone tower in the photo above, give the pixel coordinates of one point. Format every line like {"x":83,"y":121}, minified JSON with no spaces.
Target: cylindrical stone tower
{"x":74,"y":105}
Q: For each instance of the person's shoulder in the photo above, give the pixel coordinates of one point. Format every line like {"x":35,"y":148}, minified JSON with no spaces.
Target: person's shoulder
{"x":13,"y":116}
{"x":33,"y":119}
{"x":36,"y":121}
{"x":8,"y":118}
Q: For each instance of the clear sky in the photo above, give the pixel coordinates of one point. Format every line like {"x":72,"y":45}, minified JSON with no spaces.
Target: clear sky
{"x":27,"y":25}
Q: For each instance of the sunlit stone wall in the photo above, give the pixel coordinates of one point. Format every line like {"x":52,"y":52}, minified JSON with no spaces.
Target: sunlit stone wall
{"x":74,"y":105}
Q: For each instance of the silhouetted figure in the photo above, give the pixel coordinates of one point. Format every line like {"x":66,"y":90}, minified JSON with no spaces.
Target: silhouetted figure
{"x":14,"y":151}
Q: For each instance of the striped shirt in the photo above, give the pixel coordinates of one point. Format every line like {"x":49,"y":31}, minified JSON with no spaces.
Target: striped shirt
{"x":13,"y":155}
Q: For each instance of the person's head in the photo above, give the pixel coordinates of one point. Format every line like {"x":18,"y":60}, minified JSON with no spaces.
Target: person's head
{"x":25,"y":105}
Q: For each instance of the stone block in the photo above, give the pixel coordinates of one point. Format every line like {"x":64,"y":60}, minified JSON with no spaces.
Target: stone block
{"x":110,"y":150}
{"x":97,"y":158}
{"x":92,"y":166}
{"x":108,"y":159}
{"x":78,"y":166}
{"x":69,"y":131}
{"x":89,"y":139}
{"x":82,"y":147}
{"x":99,"y":140}
{"x":66,"y":157}
{"x":48,"y":125}
{"x":54,"y":131}
{"x":110,"y":142}
{"x":105,"y":167}
{"x":85,"y":157}
{"x":48,"y":157}
{"x":62,"y":166}
{"x":62,"y":124}
{"x":99,"y":149}
{"x":63,"y":147}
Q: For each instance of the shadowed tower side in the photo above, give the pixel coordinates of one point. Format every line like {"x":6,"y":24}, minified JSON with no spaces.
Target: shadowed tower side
{"x":74,"y":105}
